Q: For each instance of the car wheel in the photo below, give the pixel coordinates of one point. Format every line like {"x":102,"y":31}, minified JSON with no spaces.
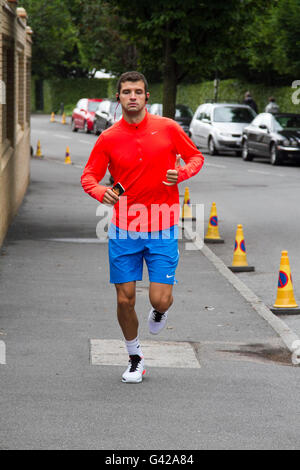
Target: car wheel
{"x":211,"y":147}
{"x":275,"y":156}
{"x":86,"y":127}
{"x":245,"y":152}
{"x":73,"y":126}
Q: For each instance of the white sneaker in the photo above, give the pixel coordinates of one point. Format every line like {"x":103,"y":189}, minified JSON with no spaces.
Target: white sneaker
{"x":135,"y":370}
{"x":156,"y":321}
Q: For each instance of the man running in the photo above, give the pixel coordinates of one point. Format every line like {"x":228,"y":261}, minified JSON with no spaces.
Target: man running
{"x":142,"y":152}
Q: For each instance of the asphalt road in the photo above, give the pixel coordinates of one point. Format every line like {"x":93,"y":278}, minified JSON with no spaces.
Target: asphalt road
{"x":55,"y":298}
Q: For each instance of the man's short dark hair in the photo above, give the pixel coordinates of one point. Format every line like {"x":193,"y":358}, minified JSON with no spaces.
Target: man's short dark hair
{"x":132,"y":77}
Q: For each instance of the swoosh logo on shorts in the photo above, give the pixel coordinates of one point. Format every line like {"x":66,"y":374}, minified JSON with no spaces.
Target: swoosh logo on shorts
{"x":169,"y":276}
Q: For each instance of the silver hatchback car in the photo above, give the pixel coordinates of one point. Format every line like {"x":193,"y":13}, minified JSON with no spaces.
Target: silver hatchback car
{"x":219,"y":126}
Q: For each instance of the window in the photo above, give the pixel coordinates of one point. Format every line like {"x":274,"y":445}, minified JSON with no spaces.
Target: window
{"x":200,"y":113}
{"x":114,"y":108}
{"x":183,"y":112}
{"x":28,"y":90}
{"x":93,"y":105}
{"x":258,"y":121}
{"x":287,"y":122}
{"x":21,"y":90}
{"x":8,"y":115}
{"x":233,"y":114}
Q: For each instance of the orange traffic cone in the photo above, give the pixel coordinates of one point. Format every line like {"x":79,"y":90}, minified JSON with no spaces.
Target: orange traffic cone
{"x":67,"y":157}
{"x":240,"y":263}
{"x":285,"y":302}
{"x":213,"y":235}
{"x":52,"y":117}
{"x":63,"y":119}
{"x":186,"y":208}
{"x":39,"y":150}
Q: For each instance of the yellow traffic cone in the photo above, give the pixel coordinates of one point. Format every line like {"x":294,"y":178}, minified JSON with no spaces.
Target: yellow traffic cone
{"x":52,"y":117}
{"x":285,"y":302}
{"x":67,"y":157}
{"x":39,"y":150}
{"x":63,"y":119}
{"x":187,"y":214}
{"x":240,"y":263}
{"x":212,"y":234}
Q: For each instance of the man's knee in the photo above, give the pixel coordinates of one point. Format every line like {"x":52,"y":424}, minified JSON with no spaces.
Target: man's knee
{"x":126,"y":299}
{"x":162,"y":303}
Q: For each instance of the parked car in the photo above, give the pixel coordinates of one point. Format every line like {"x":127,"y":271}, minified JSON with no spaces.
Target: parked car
{"x":219,"y":126}
{"x":274,"y":136}
{"x":84,"y":114}
{"x":107,"y":113}
{"x":183,"y":114}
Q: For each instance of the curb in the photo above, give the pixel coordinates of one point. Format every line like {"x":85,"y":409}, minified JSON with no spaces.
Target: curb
{"x":288,"y":336}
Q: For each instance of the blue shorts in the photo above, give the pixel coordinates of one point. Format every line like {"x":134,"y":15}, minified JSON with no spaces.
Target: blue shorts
{"x":127,"y":251}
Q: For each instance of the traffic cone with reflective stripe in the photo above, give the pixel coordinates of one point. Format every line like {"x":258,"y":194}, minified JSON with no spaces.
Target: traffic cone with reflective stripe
{"x":240,"y":263}
{"x":52,"y":117}
{"x":39,"y":150}
{"x":187,"y":214}
{"x":285,"y":302}
{"x":213,"y":235}
{"x":63,"y":119}
{"x":67,"y":157}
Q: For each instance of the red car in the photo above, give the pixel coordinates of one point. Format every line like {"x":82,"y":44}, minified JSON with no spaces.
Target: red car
{"x":84,"y":114}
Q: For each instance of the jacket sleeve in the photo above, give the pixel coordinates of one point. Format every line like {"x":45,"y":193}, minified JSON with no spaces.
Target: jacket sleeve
{"x":188,"y":151}
{"x":95,"y":171}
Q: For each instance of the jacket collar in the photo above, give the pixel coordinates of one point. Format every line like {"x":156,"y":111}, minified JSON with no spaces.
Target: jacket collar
{"x":140,"y":125}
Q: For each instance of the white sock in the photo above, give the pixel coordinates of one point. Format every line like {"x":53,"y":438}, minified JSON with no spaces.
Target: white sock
{"x":133,"y":347}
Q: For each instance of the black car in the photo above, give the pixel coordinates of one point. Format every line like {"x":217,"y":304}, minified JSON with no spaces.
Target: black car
{"x":274,"y":136}
{"x":183,"y":114}
{"x":107,"y":113}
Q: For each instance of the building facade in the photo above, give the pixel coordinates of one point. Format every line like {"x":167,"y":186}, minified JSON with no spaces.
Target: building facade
{"x":15,"y":84}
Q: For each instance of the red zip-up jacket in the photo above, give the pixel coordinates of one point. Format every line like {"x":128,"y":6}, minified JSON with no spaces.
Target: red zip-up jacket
{"x":138,"y":156}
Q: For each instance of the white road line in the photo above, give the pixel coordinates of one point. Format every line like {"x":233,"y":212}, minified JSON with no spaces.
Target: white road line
{"x":86,"y":142}
{"x":214,"y":165}
{"x":157,"y":353}
{"x":37,"y":131}
{"x":59,"y":136}
{"x":79,"y":240}
{"x":267,"y":173}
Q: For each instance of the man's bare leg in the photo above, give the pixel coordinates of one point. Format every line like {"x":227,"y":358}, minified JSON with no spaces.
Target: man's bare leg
{"x":161,"y":299}
{"x":128,"y":321}
{"x":126,"y":294}
{"x":161,"y":296}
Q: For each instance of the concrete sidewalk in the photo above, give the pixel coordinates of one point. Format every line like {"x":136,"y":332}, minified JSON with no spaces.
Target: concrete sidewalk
{"x":55,"y":298}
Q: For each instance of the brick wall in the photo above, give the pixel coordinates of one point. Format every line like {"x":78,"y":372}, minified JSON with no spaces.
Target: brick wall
{"x":15,"y":77}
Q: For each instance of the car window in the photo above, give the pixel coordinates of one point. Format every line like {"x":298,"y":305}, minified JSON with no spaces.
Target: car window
{"x":200,"y":112}
{"x":233,"y":114}
{"x":115,"y":109}
{"x":258,"y":120}
{"x":104,"y":106}
{"x":207,"y":113}
{"x":183,"y":112}
{"x":287,"y":122}
{"x":93,"y":106}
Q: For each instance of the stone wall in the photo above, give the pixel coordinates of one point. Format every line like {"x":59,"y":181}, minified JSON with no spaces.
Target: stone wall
{"x":15,"y":76}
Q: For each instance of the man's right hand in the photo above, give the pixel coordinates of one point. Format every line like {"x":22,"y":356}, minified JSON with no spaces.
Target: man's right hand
{"x":110,"y":197}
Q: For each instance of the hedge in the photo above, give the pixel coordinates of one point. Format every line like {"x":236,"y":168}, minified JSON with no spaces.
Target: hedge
{"x":69,"y":91}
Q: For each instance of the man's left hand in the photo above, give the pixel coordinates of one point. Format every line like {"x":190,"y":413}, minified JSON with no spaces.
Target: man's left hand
{"x":172,"y":175}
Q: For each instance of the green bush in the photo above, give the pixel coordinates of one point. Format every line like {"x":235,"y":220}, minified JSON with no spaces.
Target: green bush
{"x":69,"y":91}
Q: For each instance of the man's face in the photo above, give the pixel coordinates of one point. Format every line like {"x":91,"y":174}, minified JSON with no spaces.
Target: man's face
{"x":132,"y":96}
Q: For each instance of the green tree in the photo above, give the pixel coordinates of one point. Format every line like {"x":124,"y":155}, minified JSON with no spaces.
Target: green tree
{"x":271,"y":39}
{"x":53,"y":42}
{"x":181,"y":38}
